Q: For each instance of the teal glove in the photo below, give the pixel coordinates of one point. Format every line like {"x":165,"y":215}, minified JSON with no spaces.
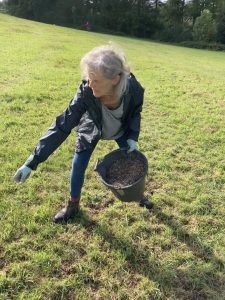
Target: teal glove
{"x":132,"y":145}
{"x":22,"y":174}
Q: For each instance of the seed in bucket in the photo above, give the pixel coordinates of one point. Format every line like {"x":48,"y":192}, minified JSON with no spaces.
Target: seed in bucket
{"x":125,"y":171}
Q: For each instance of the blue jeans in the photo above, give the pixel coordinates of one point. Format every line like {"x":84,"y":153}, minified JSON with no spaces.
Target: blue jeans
{"x":79,"y":166}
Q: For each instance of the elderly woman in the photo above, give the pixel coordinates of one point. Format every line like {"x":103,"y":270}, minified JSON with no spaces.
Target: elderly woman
{"x":107,"y":106}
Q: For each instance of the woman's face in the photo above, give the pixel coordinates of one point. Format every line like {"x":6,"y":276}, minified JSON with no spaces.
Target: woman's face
{"x":102,"y":86}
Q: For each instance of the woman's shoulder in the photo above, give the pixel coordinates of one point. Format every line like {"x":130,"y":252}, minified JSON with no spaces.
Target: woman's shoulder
{"x":84,"y":86}
{"x":84,"y":90}
{"x":134,"y":84}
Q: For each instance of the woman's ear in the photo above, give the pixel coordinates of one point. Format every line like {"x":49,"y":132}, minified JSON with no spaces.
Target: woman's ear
{"x":116,"y":80}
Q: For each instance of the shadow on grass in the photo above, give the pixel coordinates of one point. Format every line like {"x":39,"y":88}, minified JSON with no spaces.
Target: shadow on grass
{"x":194,"y":243}
{"x":184,"y":284}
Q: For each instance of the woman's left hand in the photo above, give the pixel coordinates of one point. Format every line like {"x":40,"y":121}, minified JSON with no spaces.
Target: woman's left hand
{"x":132,"y":145}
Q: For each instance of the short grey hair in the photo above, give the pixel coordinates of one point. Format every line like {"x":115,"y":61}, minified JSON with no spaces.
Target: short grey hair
{"x":110,"y":62}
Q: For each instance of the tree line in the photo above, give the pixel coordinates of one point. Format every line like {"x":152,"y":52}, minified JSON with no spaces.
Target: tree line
{"x":171,"y":20}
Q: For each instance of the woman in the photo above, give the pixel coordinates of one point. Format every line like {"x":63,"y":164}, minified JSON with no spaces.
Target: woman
{"x":107,"y":106}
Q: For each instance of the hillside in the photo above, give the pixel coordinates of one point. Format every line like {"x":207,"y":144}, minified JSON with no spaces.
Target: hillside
{"x":113,"y":250}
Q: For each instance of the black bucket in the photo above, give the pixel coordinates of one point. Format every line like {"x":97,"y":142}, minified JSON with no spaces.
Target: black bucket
{"x":133,"y":192}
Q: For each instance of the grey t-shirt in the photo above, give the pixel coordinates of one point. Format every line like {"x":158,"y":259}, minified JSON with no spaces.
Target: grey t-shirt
{"x":111,"y":122}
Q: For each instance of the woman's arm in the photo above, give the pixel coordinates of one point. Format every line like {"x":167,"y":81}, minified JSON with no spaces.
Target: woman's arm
{"x":137,"y":98}
{"x":58,"y":132}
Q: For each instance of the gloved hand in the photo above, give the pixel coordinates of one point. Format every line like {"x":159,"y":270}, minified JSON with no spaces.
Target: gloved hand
{"x":132,"y":145}
{"x":22,"y":174}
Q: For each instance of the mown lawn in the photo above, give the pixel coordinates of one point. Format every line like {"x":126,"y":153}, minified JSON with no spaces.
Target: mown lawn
{"x":113,"y":250}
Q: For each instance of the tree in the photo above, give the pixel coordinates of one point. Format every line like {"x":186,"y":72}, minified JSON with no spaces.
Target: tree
{"x":220,"y":20}
{"x":176,"y":26}
{"x":205,"y":27}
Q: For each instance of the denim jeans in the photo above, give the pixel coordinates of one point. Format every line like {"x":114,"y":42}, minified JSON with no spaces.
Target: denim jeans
{"x":79,"y":166}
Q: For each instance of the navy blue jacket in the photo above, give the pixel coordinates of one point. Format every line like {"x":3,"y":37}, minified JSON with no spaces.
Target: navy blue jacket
{"x":84,"y":113}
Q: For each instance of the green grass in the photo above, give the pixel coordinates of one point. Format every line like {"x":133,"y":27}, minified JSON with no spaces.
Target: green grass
{"x":113,"y":250}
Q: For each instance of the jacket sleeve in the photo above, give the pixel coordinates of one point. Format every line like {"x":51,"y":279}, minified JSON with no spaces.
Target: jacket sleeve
{"x":58,"y":132}
{"x":135,"y":118}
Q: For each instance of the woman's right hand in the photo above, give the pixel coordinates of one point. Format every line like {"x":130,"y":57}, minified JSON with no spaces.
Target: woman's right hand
{"x":22,"y":174}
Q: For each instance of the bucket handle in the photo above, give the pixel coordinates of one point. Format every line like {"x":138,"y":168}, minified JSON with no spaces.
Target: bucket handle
{"x":96,"y":165}
{"x":98,"y":162}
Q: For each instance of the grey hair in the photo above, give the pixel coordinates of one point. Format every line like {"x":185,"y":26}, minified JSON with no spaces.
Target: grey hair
{"x":110,"y":62}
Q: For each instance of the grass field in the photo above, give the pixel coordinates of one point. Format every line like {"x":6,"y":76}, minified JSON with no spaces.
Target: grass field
{"x":113,"y":250}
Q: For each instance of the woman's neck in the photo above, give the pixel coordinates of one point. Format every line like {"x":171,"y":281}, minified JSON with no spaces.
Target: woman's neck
{"x":110,"y":101}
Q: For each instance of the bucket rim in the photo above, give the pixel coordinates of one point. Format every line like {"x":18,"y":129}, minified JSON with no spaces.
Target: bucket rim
{"x":134,"y":183}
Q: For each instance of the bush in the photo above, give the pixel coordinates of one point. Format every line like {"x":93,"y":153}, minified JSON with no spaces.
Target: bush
{"x":174,"y":34}
{"x":204,"y":28}
{"x":221,"y":29}
{"x":203,"y":45}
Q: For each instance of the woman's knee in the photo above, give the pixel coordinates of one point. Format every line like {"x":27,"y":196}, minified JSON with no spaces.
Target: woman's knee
{"x":82,"y":158}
